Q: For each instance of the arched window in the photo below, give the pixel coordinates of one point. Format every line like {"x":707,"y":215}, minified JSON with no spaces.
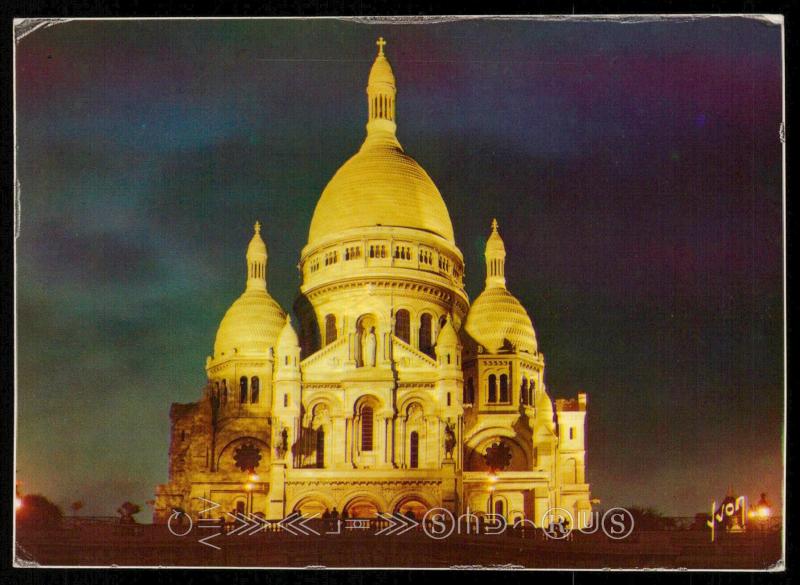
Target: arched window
{"x":243,"y":389}
{"x":469,"y":392}
{"x":425,"y":334}
{"x":402,"y":325}
{"x":492,"y":388}
{"x":523,"y":391}
{"x":531,"y":389}
{"x":366,"y":428}
{"x":499,"y":507}
{"x":320,"y":448}
{"x":503,"y":388}
{"x":413,"y":450}
{"x":254,"y":389}
{"x":330,"y":329}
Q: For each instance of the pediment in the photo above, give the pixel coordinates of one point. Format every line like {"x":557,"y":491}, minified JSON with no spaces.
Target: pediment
{"x":333,"y":356}
{"x":407,"y":357}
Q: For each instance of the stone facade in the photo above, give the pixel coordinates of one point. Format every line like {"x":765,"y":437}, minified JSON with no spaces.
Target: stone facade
{"x":390,"y":391}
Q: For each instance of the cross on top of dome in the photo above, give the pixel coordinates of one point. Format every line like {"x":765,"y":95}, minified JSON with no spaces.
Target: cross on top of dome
{"x":380,"y":42}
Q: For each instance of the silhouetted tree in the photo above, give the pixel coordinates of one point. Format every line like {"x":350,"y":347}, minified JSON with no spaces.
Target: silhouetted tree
{"x":126,"y":512}
{"x":38,"y":511}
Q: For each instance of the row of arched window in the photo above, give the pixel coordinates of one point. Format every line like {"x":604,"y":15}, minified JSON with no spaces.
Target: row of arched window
{"x":331,"y":257}
{"x":352,"y":252}
{"x":402,"y":329}
{"x":526,"y":391}
{"x":377,"y":251}
{"x":367,"y":440}
{"x":248,"y":390}
{"x":382,"y":106}
{"x":254,"y":388}
{"x":499,"y":394}
{"x":401,"y":252}
{"x":492,"y":396}
{"x":257,"y":270}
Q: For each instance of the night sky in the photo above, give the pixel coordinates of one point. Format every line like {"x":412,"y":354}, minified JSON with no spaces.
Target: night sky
{"x":635,"y":171}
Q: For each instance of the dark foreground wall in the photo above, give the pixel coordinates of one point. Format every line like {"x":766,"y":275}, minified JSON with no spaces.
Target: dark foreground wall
{"x":154,"y":545}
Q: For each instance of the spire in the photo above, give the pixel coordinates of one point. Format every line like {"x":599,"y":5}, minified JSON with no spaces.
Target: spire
{"x":381,"y":92}
{"x":495,"y":259}
{"x":257,"y":261}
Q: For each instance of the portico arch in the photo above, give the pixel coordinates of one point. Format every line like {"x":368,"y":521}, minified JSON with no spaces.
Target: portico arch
{"x":364,"y":505}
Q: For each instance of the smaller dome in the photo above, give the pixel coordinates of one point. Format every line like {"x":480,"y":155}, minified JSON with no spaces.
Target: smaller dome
{"x":288,"y":336}
{"x":253,"y":322}
{"x":447,"y":336}
{"x":497,"y":320}
{"x":251,"y":325}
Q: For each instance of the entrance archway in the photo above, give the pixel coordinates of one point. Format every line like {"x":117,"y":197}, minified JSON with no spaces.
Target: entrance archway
{"x":362,"y":507}
{"x":413,"y":505}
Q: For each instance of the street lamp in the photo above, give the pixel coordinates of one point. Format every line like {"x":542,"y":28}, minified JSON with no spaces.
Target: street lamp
{"x":249,"y":486}
{"x":492,"y":481}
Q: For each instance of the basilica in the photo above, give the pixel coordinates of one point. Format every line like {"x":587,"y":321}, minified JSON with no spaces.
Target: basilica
{"x":389,"y":391}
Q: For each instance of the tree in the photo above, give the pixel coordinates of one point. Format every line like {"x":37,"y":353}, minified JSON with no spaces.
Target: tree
{"x":76,"y":507}
{"x":37,"y":511}
{"x":126,"y":512}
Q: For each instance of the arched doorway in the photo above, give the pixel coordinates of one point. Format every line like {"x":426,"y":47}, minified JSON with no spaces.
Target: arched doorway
{"x":311,"y":507}
{"x":412,"y":505}
{"x":362,"y":507}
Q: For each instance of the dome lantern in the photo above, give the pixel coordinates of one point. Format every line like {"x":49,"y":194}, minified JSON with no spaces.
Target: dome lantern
{"x":381,"y":92}
{"x":257,"y":261}
{"x":495,"y":259}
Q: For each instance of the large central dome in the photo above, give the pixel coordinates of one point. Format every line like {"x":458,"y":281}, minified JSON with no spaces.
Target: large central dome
{"x":381,"y":184}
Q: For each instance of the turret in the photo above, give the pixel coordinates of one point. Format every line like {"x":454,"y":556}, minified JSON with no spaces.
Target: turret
{"x":257,"y":261}
{"x":448,"y":346}
{"x":288,"y":353}
{"x":495,"y":259}
{"x":381,"y":92}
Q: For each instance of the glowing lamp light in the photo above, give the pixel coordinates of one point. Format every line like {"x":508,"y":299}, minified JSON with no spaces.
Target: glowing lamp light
{"x":248,"y":486}
{"x":492,"y":478}
{"x":18,"y":503}
{"x":764,"y":512}
{"x":491,"y":488}
{"x":253,"y":477}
